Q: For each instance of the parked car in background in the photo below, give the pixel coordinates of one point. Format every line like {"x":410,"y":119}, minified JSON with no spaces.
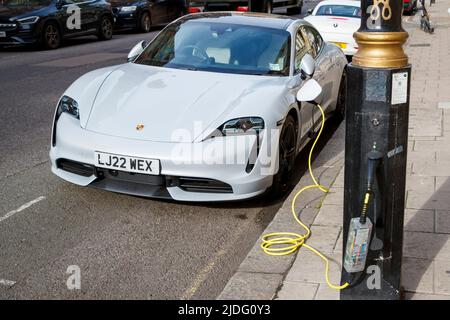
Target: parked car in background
{"x":336,"y":21}
{"x":49,"y":22}
{"x":141,"y":15}
{"x":409,"y":6}
{"x":267,"y":6}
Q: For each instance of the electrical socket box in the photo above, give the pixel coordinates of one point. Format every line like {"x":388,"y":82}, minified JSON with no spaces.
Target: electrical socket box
{"x":357,"y":245}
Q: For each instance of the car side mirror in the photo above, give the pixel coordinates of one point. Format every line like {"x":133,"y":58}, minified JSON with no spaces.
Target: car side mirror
{"x":309,"y":92}
{"x":309,"y":12}
{"x":307,"y":66}
{"x":137,"y":50}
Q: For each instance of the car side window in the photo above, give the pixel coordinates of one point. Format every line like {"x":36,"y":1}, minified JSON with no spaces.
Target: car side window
{"x":301,"y":49}
{"x":314,"y":40}
{"x":318,"y":41}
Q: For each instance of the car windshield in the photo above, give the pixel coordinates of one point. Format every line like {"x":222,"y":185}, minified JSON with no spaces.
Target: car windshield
{"x":24,"y":3}
{"x":339,"y":10}
{"x":220,"y":47}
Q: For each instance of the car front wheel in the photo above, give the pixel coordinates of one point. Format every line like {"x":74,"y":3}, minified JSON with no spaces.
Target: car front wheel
{"x":282,"y":180}
{"x":51,"y":36}
{"x":145,"y":23}
{"x":105,"y":29}
{"x":340,"y":104}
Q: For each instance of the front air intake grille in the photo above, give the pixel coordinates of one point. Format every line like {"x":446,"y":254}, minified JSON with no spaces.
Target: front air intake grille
{"x":7,"y":26}
{"x":203,"y":185}
{"x":74,"y":167}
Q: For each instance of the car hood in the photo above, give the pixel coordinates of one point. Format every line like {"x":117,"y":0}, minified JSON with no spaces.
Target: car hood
{"x":332,"y":24}
{"x":7,"y":12}
{"x":117,"y":4}
{"x":166,"y":105}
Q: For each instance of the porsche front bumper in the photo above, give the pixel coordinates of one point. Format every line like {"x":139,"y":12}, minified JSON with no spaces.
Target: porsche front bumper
{"x":199,"y":178}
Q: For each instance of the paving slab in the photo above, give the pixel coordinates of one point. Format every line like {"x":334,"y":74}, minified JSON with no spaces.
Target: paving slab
{"x":418,"y":275}
{"x":251,"y":286}
{"x":310,"y":268}
{"x":426,"y":245}
{"x":419,"y":220}
{"x":443,"y":221}
{"x":297,"y":291}
{"x":442,"y":277}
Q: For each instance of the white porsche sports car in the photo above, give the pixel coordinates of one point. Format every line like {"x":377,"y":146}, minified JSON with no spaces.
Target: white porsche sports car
{"x":206,"y":111}
{"x":337,"y":21}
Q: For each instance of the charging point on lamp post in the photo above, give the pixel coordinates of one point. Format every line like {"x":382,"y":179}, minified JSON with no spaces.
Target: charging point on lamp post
{"x":375,"y":158}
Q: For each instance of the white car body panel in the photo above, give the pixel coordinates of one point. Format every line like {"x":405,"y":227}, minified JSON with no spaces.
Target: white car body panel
{"x":112,"y":101}
{"x":86,"y":89}
{"x":337,"y":28}
{"x":136,"y":93}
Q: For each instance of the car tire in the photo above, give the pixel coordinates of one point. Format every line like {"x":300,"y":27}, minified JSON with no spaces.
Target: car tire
{"x":105,"y":29}
{"x":341,"y":98}
{"x":145,"y":23}
{"x":295,"y":10}
{"x":51,"y":36}
{"x":282,"y":180}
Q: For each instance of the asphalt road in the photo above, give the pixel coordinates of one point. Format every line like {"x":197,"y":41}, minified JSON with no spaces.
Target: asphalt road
{"x":126,"y":247}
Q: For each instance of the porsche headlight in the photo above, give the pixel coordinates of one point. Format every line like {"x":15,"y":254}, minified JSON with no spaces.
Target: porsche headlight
{"x":128,"y":9}
{"x":250,"y":125}
{"x":28,"y":20}
{"x":68,"y":105}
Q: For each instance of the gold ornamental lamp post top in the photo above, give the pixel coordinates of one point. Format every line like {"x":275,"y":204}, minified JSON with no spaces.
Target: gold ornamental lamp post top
{"x":381,"y":36}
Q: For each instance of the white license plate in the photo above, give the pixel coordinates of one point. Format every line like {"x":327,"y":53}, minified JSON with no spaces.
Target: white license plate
{"x":2,"y":34}
{"x":126,"y":163}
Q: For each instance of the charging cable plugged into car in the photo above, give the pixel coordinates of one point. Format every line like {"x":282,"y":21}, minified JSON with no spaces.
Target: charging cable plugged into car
{"x":358,"y":241}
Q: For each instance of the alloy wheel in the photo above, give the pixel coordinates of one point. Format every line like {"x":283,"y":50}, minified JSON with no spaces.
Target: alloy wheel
{"x":107,"y":28}
{"x":146,"y":23}
{"x":52,"y":38}
{"x":282,"y":180}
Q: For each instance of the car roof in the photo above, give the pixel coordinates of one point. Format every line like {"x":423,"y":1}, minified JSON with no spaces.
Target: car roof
{"x":245,"y":18}
{"x":340,"y":2}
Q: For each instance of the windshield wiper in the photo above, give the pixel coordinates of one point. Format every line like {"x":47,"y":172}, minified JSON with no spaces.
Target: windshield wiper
{"x":189,"y":68}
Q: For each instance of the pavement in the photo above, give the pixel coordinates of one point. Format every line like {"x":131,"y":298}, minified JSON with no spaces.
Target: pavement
{"x":426,"y":252}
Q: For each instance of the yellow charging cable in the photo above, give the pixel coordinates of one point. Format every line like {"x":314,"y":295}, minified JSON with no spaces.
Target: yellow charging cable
{"x":288,"y":242}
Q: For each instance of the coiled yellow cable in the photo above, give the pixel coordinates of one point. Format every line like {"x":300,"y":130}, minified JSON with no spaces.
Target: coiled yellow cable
{"x":289,"y":242}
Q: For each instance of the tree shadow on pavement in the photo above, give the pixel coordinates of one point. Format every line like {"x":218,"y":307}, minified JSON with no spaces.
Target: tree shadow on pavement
{"x":422,"y":246}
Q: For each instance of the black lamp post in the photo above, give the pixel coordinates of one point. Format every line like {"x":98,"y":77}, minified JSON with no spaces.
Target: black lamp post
{"x":378,"y":91}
